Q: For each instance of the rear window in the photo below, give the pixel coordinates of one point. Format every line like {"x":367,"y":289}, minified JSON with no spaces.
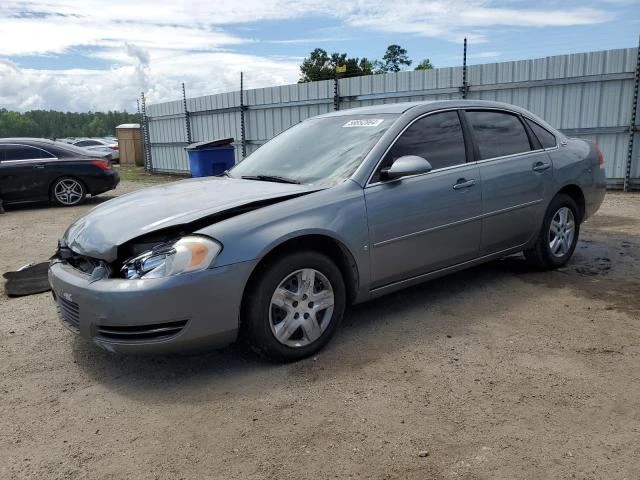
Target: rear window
{"x":546,"y":138}
{"x":66,"y":150}
{"x":88,"y":143}
{"x":498,"y":134}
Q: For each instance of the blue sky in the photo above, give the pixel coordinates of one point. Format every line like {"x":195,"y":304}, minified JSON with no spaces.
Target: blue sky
{"x":95,"y":54}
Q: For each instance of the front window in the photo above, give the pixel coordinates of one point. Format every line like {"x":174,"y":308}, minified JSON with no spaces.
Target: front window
{"x":438,"y":138}
{"x":25,"y":152}
{"x":319,"y":151}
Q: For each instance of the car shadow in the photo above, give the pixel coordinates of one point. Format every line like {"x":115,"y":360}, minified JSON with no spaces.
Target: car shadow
{"x":369,"y":331}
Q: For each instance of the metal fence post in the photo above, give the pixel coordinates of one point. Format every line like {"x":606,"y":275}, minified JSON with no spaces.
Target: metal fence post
{"x":148,"y":163}
{"x":465,"y":87}
{"x":187,"y":121}
{"x":336,"y":91}
{"x":141,"y":130}
{"x":633,"y":125}
{"x":243,"y":140}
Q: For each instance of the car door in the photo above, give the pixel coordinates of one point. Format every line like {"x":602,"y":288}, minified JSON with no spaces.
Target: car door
{"x":430,"y":221}
{"x":24,"y":175}
{"x":515,"y":175}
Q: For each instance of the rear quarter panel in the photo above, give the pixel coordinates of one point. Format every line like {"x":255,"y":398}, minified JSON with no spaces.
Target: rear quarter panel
{"x":90,"y":175}
{"x":575,"y":162}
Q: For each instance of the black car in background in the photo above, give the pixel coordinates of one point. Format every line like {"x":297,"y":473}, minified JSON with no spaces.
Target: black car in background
{"x":36,"y":170}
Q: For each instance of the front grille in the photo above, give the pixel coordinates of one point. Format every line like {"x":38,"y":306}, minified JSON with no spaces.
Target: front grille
{"x":141,"y":333}
{"x":69,"y":312}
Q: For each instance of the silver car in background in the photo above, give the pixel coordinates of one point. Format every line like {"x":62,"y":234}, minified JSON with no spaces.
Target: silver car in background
{"x":339,"y":209}
{"x":103,"y":145}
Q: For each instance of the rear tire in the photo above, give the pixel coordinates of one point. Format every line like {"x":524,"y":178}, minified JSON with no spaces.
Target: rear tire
{"x":68,"y":192}
{"x":558,"y":236}
{"x":294,"y":306}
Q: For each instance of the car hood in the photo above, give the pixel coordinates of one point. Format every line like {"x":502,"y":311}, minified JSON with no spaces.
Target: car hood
{"x":99,"y":233}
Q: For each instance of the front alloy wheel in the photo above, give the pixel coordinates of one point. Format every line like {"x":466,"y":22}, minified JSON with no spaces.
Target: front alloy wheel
{"x":301,"y":308}
{"x":293,"y":306}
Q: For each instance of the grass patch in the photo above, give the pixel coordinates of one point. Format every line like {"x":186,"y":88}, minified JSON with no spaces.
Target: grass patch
{"x":132,"y":173}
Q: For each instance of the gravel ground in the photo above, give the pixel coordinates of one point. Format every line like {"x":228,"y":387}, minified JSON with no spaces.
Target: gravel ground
{"x":496,"y":372}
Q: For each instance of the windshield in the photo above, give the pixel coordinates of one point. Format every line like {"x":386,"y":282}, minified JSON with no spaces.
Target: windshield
{"x":319,"y":151}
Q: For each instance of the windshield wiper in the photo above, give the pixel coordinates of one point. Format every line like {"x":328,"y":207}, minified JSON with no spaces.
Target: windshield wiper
{"x":270,"y":178}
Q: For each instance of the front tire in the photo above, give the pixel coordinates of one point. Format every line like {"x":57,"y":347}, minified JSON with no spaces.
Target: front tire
{"x":68,"y":192}
{"x":558,"y":236}
{"x":294,"y":306}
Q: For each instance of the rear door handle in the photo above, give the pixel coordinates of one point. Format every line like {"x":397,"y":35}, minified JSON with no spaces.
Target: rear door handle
{"x":40,"y":165}
{"x":539,"y":167}
{"x":464,"y":183}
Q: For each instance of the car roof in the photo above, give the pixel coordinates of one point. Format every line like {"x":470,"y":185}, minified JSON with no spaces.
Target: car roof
{"x":29,"y":141}
{"x":402,"y":107}
{"x":45,"y":143}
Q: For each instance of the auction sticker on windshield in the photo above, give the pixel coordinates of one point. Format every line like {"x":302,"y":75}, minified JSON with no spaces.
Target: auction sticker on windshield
{"x":369,"y":122}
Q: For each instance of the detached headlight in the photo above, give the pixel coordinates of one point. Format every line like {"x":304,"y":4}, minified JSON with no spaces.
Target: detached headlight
{"x":189,"y":254}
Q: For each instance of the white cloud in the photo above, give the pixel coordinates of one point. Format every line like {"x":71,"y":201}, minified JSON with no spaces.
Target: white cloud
{"x":57,"y":35}
{"x":487,"y":54}
{"x":119,"y":87}
{"x":153,"y":45}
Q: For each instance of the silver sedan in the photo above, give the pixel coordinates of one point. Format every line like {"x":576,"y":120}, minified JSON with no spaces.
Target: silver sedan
{"x":339,"y":209}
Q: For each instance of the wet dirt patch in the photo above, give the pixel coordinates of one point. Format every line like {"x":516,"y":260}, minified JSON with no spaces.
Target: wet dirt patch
{"x":608,"y":222}
{"x":602,"y":268}
{"x":600,"y":351}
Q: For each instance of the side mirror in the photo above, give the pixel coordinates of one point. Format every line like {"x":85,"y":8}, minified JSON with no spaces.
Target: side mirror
{"x":405,"y":166}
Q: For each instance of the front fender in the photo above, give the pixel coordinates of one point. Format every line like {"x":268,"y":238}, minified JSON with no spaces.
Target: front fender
{"x":338,"y":213}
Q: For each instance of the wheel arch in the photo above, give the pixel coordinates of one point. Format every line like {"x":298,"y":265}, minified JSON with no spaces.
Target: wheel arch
{"x":576,"y":193}
{"x":325,"y":244}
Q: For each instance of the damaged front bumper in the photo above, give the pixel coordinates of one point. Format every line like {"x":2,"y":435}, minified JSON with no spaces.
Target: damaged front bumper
{"x":192,"y":310}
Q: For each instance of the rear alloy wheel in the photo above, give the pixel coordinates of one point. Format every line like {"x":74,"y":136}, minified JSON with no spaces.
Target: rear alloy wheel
{"x":562,"y":231}
{"x":68,"y":192}
{"x":296,"y":306}
{"x":558,"y":236}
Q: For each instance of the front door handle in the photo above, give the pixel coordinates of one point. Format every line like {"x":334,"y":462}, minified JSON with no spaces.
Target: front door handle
{"x":464,"y":183}
{"x":540,"y":166}
{"x":39,"y":166}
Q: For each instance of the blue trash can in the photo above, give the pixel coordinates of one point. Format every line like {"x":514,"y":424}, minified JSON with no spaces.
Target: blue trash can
{"x":211,"y":158}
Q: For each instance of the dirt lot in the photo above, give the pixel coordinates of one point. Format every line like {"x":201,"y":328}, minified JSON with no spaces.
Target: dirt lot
{"x":497,"y":372}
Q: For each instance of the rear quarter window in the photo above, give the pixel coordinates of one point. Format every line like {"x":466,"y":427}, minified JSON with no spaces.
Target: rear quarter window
{"x":546,"y":138}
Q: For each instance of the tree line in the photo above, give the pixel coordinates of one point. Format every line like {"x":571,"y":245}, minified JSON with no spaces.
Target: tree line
{"x":53,"y":124}
{"x":320,"y":65}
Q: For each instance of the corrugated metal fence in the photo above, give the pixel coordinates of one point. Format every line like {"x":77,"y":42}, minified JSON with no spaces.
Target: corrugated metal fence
{"x":590,"y":95}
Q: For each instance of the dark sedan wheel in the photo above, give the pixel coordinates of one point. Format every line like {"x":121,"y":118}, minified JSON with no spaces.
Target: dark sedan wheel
{"x":294,"y":306}
{"x":558,"y":236}
{"x":68,"y":192}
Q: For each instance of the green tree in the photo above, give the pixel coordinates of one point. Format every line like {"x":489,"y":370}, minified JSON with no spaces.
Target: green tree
{"x":319,"y":65}
{"x":394,"y":59}
{"x":424,"y":65}
{"x":53,"y":124}
{"x":97,"y":127}
{"x":13,"y":124}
